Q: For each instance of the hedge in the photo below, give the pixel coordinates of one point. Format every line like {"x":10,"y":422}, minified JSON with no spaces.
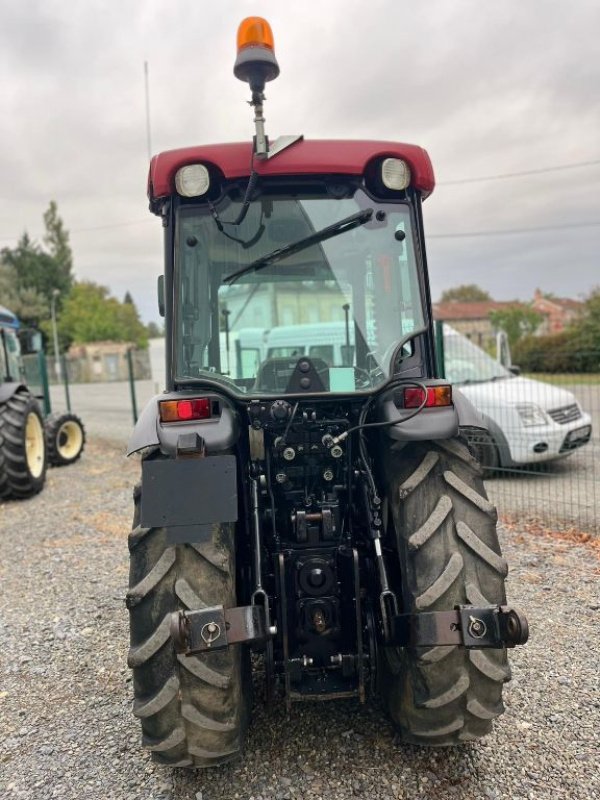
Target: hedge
{"x":569,"y":351}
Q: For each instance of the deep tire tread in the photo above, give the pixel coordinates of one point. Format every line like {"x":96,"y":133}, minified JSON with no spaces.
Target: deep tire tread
{"x":193,"y":709}
{"x":16,"y":480}
{"x":53,"y":423}
{"x":446,"y":541}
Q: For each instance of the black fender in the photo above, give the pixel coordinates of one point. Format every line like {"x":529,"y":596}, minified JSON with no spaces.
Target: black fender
{"x":7,"y":390}
{"x":220,"y":432}
{"x":430,"y":423}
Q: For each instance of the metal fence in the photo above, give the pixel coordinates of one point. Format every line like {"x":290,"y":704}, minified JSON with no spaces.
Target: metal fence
{"x":541,"y":454}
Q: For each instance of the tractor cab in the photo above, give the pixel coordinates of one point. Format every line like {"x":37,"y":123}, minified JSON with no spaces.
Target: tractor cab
{"x":313,"y":249}
{"x":10,"y":350}
{"x":294,"y":233}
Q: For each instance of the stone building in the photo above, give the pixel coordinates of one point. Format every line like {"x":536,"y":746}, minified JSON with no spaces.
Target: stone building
{"x":472,"y":319}
{"x":558,"y":312}
{"x":98,"y":362}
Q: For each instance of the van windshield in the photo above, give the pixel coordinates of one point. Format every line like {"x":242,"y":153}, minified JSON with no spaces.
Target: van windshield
{"x":464,"y":362}
{"x":342,"y":305}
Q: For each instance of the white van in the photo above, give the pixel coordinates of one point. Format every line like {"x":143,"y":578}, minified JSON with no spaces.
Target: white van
{"x":529,"y":421}
{"x":328,"y":341}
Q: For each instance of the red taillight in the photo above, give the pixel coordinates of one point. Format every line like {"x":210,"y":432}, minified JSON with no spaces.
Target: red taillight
{"x":184,"y":410}
{"x":436,"y":396}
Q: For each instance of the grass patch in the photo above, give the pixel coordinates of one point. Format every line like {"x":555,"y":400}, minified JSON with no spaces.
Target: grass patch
{"x":565,"y":379}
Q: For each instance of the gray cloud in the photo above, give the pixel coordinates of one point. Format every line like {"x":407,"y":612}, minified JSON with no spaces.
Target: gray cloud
{"x":485,"y":88}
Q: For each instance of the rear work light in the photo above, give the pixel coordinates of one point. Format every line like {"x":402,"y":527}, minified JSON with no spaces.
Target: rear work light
{"x":436,"y":396}
{"x":395,"y":174}
{"x":184,"y":410}
{"x":192,"y":181}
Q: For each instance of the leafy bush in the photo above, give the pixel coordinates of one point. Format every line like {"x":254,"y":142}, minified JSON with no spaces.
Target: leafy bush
{"x":569,"y":351}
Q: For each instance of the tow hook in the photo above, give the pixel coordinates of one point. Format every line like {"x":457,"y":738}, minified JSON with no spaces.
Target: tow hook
{"x":215,"y":628}
{"x":465,"y":626}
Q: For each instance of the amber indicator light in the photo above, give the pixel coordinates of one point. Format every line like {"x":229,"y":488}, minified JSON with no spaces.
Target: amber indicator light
{"x":436,"y":396}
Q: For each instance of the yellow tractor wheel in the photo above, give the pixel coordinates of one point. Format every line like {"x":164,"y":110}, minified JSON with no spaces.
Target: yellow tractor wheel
{"x":23,"y":457}
{"x":65,"y":438}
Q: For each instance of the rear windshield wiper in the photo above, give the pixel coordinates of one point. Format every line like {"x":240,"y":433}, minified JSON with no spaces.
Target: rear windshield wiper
{"x":343,"y":225}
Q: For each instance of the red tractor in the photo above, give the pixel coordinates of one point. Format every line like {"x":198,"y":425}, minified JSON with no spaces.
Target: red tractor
{"x":307,"y":488}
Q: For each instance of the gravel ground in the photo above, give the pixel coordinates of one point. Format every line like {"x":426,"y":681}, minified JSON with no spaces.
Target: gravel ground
{"x":66,"y":730}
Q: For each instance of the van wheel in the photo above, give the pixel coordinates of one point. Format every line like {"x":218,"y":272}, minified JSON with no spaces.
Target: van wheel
{"x":483,"y":446}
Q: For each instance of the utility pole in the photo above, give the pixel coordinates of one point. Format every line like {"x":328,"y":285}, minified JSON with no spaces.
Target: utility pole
{"x":55,"y":294}
{"x":147,"y":88}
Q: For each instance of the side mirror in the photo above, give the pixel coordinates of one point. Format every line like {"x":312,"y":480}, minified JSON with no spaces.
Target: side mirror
{"x":160,"y":286}
{"x":514,"y":369}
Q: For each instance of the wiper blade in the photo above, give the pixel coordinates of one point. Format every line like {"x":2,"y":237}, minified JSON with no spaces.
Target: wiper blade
{"x":342,"y":226}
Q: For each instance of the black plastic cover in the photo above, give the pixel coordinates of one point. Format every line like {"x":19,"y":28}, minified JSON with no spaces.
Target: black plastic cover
{"x":189,"y":492}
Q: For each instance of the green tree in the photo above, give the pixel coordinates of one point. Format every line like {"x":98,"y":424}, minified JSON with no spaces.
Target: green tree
{"x":155,"y":330}
{"x":90,"y":314}
{"x":467,"y":293}
{"x":576,"y":349}
{"x":517,"y":321}
{"x":56,"y":240}
{"x":35,"y":269}
{"x":587,"y":328}
{"x":27,"y":303}
{"x":30,"y":272}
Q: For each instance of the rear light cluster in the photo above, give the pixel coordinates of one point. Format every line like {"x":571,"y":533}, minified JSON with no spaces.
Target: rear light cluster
{"x":185,"y":410}
{"x":413,"y":396}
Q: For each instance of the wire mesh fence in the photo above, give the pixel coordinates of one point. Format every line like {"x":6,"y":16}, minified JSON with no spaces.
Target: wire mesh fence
{"x":542,"y":447}
{"x":541,"y":453}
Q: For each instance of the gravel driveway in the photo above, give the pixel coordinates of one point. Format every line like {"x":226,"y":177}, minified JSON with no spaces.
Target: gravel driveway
{"x":66,"y":730}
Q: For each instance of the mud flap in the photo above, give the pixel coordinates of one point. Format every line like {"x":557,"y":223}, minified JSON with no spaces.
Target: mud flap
{"x":188,"y":496}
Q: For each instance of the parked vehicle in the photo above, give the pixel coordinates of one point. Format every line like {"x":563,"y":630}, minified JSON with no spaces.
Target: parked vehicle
{"x":527,"y":421}
{"x":30,"y":436}
{"x":320,"y":506}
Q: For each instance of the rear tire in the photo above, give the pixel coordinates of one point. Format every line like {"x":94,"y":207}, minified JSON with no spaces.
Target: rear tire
{"x":65,"y":439}
{"x":448,"y":551}
{"x":23,"y":446}
{"x":194,"y":710}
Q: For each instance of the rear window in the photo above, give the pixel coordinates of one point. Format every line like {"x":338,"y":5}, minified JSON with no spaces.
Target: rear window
{"x":285,"y":352}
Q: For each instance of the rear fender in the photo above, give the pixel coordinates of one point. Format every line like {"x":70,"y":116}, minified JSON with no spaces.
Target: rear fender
{"x":7,"y":390}
{"x":431,"y":423}
{"x":220,"y":433}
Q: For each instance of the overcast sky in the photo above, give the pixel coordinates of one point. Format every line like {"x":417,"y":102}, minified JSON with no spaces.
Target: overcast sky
{"x":486,"y":88}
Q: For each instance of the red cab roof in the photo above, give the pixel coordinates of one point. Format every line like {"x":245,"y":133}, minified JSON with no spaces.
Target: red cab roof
{"x":322,"y":157}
